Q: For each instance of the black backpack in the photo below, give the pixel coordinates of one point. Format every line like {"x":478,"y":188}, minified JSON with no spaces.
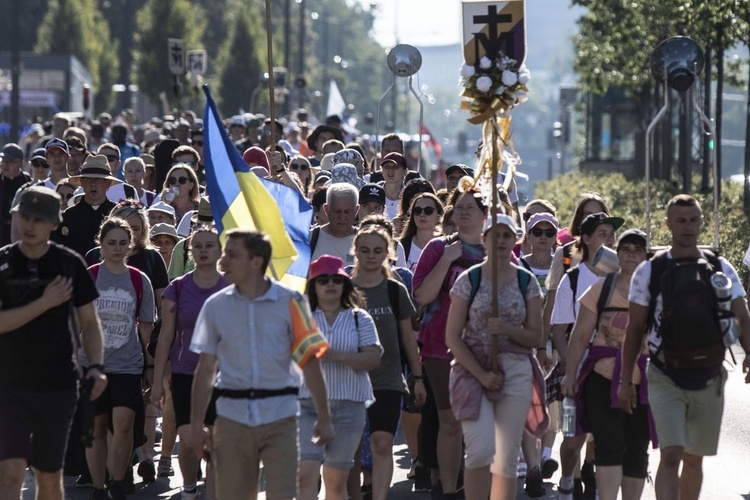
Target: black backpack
{"x":692,"y":348}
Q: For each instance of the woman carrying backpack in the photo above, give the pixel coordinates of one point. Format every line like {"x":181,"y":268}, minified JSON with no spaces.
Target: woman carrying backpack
{"x":441,"y":262}
{"x":488,"y":403}
{"x":354,"y":349}
{"x":126,"y":308}
{"x":372,"y":248}
{"x":596,"y":230}
{"x":621,"y":439}
{"x":181,"y":304}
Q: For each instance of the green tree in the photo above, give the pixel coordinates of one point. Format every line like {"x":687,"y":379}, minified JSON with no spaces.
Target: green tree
{"x":77,"y":27}
{"x":241,"y":63}
{"x":157,"y":21}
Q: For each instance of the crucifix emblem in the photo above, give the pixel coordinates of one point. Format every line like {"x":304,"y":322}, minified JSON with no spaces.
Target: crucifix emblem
{"x":493,"y":27}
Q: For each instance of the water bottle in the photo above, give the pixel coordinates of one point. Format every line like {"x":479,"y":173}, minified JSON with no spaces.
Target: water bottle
{"x":723,"y":290}
{"x":569,"y":417}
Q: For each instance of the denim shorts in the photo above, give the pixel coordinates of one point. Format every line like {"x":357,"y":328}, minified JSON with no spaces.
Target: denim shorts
{"x":348,"y":423}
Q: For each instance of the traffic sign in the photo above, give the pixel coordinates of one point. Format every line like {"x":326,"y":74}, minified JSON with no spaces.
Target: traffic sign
{"x":197,"y":61}
{"x":176,"y":55}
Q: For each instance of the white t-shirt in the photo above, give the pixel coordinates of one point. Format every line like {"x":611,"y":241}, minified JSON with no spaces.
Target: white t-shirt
{"x":340,"y":247}
{"x":400,"y":255}
{"x":117,"y":192}
{"x":640,"y":294}
{"x":414,"y":254}
{"x":391,"y":208}
{"x":566,"y":306}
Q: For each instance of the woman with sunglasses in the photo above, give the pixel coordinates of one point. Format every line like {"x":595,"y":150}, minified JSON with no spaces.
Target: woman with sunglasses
{"x":443,"y":259}
{"x":372,"y":248}
{"x":181,"y":190}
{"x":127,"y":311}
{"x":493,"y":407}
{"x":423,"y":224}
{"x":301,"y":166}
{"x":182,"y":301}
{"x":533,"y":207}
{"x":354,"y":349}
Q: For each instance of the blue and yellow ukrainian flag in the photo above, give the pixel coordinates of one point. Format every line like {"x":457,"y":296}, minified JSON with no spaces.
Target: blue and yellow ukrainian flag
{"x":241,"y":199}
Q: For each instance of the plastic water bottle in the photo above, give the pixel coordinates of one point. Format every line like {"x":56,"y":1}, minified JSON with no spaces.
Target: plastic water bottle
{"x":723,"y":290}
{"x":569,"y":417}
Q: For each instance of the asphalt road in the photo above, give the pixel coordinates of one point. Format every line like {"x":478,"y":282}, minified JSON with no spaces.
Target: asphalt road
{"x":726,"y":476}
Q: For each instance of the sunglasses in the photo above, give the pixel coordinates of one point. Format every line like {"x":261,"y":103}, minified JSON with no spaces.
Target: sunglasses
{"x":538,"y":231}
{"x":174,"y":180}
{"x":298,"y":166}
{"x":324,"y":279}
{"x":39,"y":164}
{"x":130,"y":203}
{"x":112,"y":157}
{"x":427,"y":211}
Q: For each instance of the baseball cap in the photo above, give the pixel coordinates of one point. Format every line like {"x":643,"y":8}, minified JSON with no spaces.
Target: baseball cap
{"x":38,"y":154}
{"x":500,"y":219}
{"x":459,"y":167}
{"x":371,"y":192}
{"x":11,"y":152}
{"x":396,"y":158}
{"x":40,"y":202}
{"x":593,"y":221}
{"x":632,"y":236}
{"x":58,"y":143}
{"x":542,"y":217}
{"x":164,"y":228}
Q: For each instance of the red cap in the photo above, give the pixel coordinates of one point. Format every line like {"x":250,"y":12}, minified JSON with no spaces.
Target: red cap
{"x":395,"y":157}
{"x":257,"y":156}
{"x":327,"y":265}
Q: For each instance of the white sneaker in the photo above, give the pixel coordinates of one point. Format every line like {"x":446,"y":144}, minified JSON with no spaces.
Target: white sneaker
{"x":522,"y":468}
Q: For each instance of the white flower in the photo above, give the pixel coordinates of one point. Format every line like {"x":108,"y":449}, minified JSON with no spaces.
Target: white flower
{"x":507,"y":61}
{"x":467,"y":71}
{"x":485,"y":62}
{"x":500,"y":90}
{"x":484,"y":83}
{"x":524,"y":76}
{"x":509,"y":78}
{"x":520,"y":94}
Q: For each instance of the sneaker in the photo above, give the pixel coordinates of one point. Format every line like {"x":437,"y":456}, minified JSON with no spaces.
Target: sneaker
{"x":422,"y":480}
{"x":84,"y":480}
{"x":116,"y":491}
{"x":165,"y":467}
{"x":588,"y":477}
{"x":189,"y":495}
{"x":522,"y":468}
{"x":549,"y":466}
{"x":534,"y":486}
{"x":147,"y":471}
{"x":436,"y":492}
{"x":128,"y":482}
{"x":99,"y":495}
{"x":366,"y":490}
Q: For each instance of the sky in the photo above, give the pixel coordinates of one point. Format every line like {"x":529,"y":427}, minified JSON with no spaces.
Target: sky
{"x":417,"y":22}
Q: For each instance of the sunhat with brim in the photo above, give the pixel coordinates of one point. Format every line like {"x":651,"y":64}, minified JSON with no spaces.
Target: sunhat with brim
{"x":163,"y":228}
{"x":96,"y":167}
{"x":313,"y":137}
{"x":327,"y":265}
{"x":160,"y":206}
{"x":590,"y":223}
{"x":500,"y":220}
{"x":204,"y":215}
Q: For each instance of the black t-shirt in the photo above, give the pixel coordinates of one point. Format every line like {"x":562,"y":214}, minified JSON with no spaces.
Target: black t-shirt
{"x":80,"y":226}
{"x":38,"y":355}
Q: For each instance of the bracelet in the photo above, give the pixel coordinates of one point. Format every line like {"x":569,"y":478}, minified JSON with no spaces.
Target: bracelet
{"x":628,"y":384}
{"x":95,"y":366}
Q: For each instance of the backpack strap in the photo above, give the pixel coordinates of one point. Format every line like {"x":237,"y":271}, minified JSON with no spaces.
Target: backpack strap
{"x":573,"y":279}
{"x":475,"y":279}
{"x":606,"y":296}
{"x":567,"y":258}
{"x":658,"y":265}
{"x":406,"y":243}
{"x":394,"y":298}
{"x":356,"y":319}
{"x":314,"y":235}
{"x":525,"y":264}
{"x":524,"y":277}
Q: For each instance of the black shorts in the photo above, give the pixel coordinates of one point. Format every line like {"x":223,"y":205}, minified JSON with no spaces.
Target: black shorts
{"x":384,"y":413}
{"x":123,"y":390}
{"x":35,"y":426}
{"x":182,"y":387}
{"x":621,"y":439}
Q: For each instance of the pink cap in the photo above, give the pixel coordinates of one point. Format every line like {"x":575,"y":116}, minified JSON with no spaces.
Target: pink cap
{"x":542,"y":217}
{"x":327,"y":265}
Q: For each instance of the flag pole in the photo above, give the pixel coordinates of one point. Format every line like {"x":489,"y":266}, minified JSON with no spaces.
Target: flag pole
{"x":270,"y":74}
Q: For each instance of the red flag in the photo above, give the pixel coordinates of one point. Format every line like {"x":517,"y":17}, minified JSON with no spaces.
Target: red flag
{"x":432,"y":142}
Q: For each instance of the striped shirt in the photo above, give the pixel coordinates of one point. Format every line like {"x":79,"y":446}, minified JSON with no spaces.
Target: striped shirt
{"x":343,"y":382}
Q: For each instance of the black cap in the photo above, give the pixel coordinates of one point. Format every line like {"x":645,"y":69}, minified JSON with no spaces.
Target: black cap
{"x":593,"y":221}
{"x":371,"y":192}
{"x":465,"y":170}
